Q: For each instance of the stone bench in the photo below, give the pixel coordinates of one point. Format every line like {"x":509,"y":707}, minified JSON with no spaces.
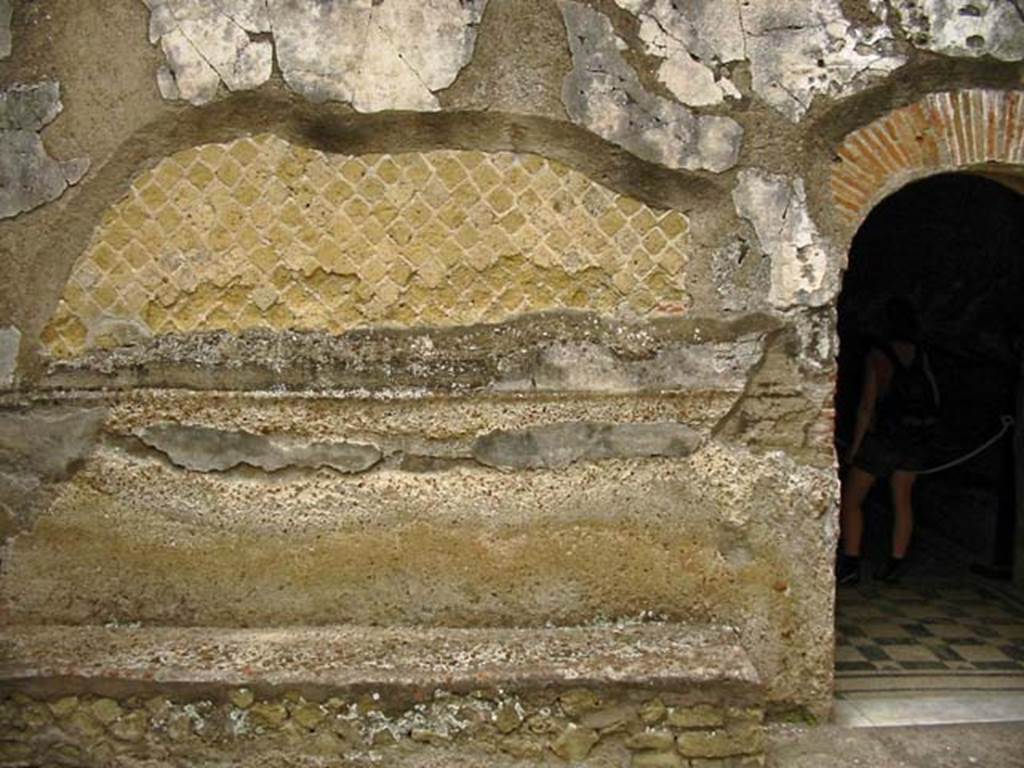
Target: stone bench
{"x":661,"y":694}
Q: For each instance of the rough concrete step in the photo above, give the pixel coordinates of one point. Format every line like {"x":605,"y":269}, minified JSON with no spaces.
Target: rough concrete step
{"x":653,"y":694}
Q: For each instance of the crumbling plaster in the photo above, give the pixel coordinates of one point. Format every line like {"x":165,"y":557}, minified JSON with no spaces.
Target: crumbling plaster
{"x":376,"y":56}
{"x":29,"y":177}
{"x":961,"y":28}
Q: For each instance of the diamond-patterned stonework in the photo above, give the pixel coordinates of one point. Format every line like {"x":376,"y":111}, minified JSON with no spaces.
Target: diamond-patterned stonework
{"x":259,"y":233}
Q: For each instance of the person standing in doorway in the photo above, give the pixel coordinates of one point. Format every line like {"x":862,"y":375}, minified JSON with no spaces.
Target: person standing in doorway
{"x":895,"y":427}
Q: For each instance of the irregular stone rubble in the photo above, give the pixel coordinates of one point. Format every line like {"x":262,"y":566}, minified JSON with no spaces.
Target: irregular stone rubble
{"x":604,"y":94}
{"x":378,"y":55}
{"x":5,"y":28}
{"x":797,"y":50}
{"x":557,"y":445}
{"x":29,"y":177}
{"x":289,"y":729}
{"x":960,"y":28}
{"x":204,"y":449}
{"x":282,"y":696}
{"x":801,"y":50}
{"x":10,"y":342}
{"x":694,"y":39}
{"x":375,"y":55}
{"x":776,"y":206}
{"x":209,"y":43}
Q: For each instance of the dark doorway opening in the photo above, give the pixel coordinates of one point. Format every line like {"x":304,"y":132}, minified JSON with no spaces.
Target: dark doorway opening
{"x":954,"y":245}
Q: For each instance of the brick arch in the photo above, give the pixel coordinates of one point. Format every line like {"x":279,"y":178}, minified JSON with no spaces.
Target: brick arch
{"x":960,"y":130}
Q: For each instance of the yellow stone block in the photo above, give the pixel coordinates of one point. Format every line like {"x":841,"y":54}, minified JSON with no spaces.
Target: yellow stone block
{"x":465,"y":195}
{"x":654,"y":242}
{"x":611,"y":221}
{"x":486,"y":177}
{"x":642,"y":221}
{"x":512,"y":221}
{"x":388,"y":171}
{"x":357,"y":210}
{"x":244,"y":151}
{"x":418,"y":214}
{"x":501,"y":200}
{"x":400,"y":271}
{"x":673,"y":224}
{"x":220,"y":239}
{"x":452,"y":215}
{"x":338,"y":191}
{"x":199,"y":175}
{"x":353,"y":170}
{"x":152,"y":196}
{"x":247,"y":193}
{"x":628,"y":205}
{"x":384,"y":214}
{"x":415,"y":168}
{"x":400,"y":233}
{"x":448,"y":170}
{"x":167,"y":173}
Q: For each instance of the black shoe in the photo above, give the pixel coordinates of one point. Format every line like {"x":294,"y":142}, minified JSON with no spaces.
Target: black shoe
{"x":892,"y":570}
{"x":847,"y":570}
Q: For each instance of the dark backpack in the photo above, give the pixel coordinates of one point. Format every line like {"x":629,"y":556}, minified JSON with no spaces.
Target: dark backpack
{"x":913,"y":396}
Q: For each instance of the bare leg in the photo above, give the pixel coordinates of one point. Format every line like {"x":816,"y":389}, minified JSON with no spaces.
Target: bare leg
{"x":903,"y":513}
{"x":851,"y":515}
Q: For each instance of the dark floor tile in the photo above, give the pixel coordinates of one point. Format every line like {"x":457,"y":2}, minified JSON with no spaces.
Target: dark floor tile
{"x":1013,"y":650}
{"x":918,"y":630}
{"x":854,"y":666}
{"x":873,"y":653}
{"x":945,"y":653}
{"x":983,"y":631}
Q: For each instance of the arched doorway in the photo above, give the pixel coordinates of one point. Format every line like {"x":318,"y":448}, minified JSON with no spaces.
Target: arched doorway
{"x":954,"y":245}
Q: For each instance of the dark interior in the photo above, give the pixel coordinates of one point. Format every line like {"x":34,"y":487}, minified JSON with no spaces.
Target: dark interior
{"x":953,"y":244}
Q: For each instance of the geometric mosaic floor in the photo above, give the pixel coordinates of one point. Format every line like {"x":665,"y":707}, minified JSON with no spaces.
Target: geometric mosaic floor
{"x":934,"y":630}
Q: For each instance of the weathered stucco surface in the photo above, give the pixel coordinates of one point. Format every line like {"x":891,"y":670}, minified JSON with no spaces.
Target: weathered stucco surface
{"x":374,"y":55}
{"x":10,"y":344}
{"x":5,"y":28}
{"x":446,"y":315}
{"x":29,"y":177}
{"x":982,"y":28}
{"x":604,"y":94}
{"x":803,"y":271}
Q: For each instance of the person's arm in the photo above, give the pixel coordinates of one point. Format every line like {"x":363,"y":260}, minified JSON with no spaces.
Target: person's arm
{"x":866,"y":408}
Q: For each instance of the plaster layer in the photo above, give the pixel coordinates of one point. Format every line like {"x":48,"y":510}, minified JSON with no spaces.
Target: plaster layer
{"x":803,"y":270}
{"x":799,"y":51}
{"x":796,"y":50}
{"x":693,"y":41}
{"x":959,"y":28}
{"x":207,"y":44}
{"x":6,"y":10}
{"x":203,"y":449}
{"x":10,"y":343}
{"x":604,"y":94}
{"x":29,"y":177}
{"x":376,"y":56}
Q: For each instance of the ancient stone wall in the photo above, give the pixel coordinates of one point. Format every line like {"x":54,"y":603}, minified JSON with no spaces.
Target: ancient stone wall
{"x":499,"y":313}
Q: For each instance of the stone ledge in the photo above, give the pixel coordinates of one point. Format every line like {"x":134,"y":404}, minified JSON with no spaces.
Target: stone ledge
{"x":705,"y":663}
{"x":638,"y":695}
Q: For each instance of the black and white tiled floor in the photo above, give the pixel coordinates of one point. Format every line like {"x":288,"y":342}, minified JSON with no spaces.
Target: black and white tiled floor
{"x":933,"y":630}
